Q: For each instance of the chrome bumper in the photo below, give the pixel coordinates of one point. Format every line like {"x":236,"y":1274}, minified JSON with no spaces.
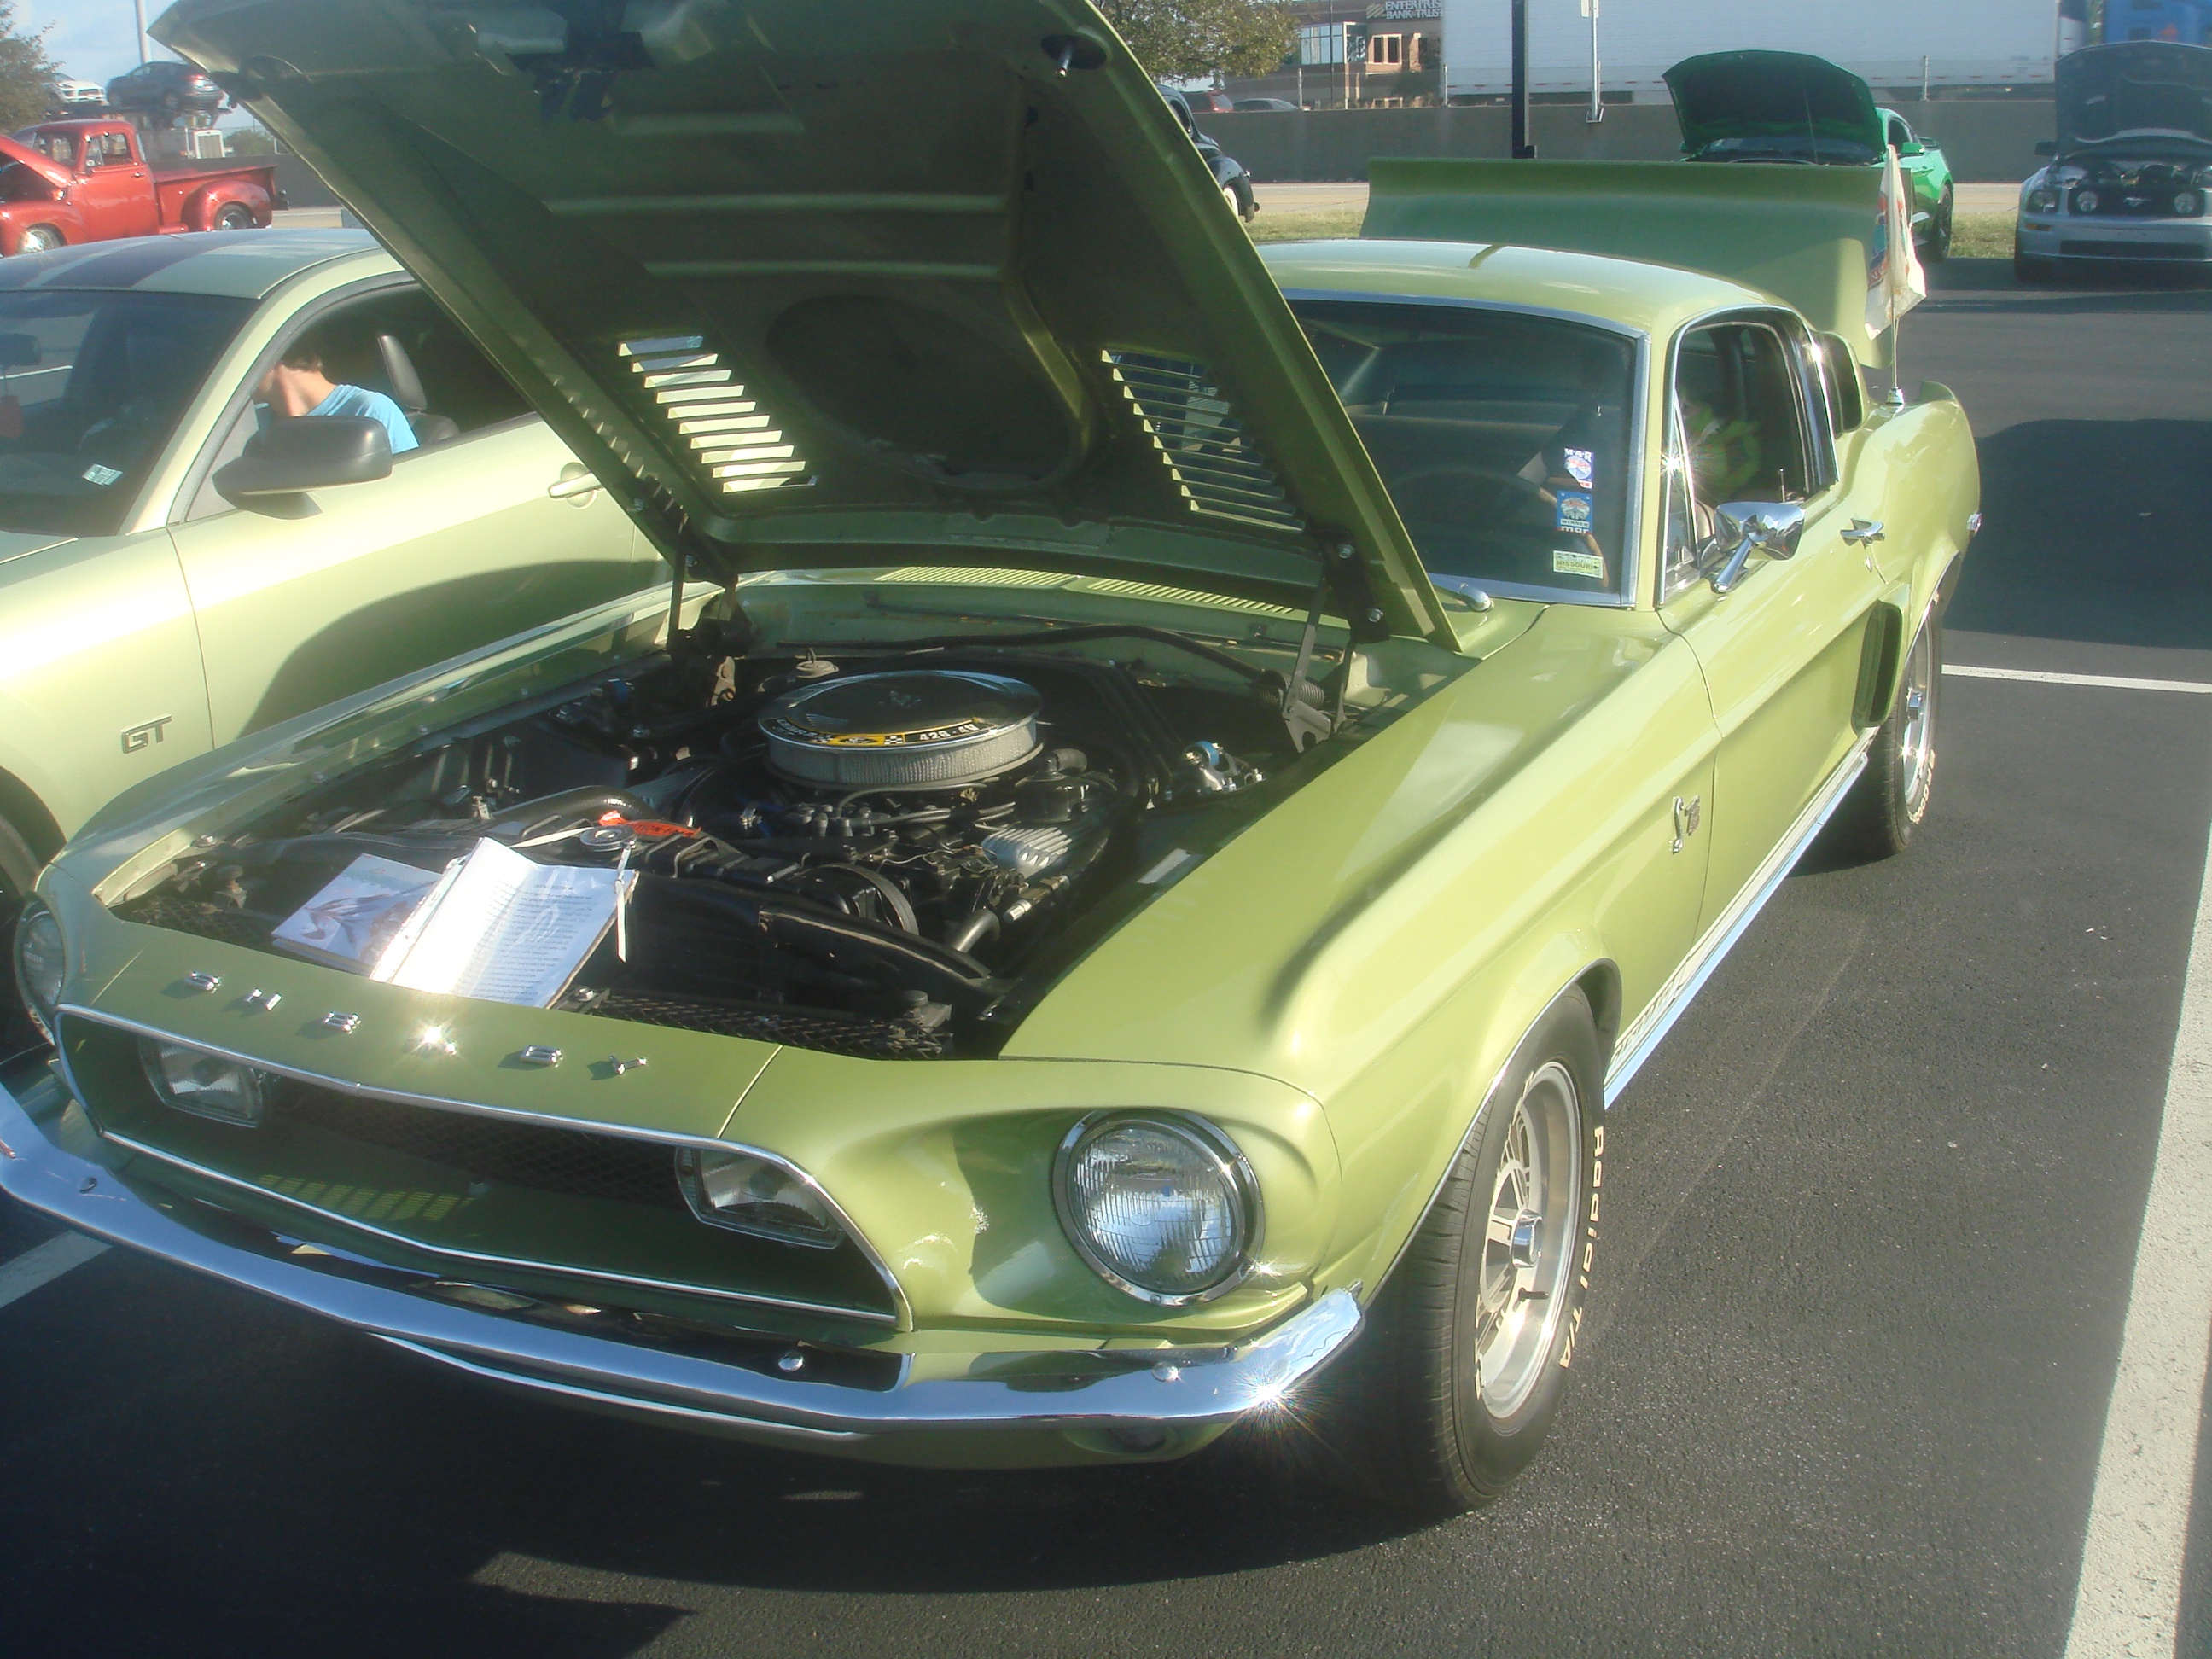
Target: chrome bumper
{"x":1066,"y":1405}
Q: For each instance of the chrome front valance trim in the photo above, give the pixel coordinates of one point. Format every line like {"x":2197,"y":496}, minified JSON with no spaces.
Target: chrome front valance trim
{"x":1046,"y":1392}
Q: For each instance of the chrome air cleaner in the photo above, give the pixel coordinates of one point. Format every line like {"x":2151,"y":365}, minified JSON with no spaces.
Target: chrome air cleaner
{"x":923,"y":729}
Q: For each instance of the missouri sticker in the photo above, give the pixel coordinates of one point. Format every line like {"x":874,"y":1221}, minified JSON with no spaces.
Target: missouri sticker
{"x":1590,"y":566}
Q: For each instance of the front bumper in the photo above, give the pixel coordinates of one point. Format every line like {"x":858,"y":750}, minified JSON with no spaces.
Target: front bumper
{"x":982,"y":1409}
{"x":2063,"y":236}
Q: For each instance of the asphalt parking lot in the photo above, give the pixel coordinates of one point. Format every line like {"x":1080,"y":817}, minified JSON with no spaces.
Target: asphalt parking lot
{"x":1871,"y":1225}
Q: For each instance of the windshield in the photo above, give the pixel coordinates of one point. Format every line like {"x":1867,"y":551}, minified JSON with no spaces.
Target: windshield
{"x":1504,"y":439}
{"x":1802,"y":147}
{"x":91,"y":386}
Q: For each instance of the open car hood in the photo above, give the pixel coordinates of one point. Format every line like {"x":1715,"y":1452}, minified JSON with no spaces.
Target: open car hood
{"x":2135,"y":92}
{"x":1804,"y":108}
{"x":819,"y":282}
{"x":55,"y":174}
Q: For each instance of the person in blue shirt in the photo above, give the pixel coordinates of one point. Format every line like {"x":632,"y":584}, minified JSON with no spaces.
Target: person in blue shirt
{"x":296,"y":384}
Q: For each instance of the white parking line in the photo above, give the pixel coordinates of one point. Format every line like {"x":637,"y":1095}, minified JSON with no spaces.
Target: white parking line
{"x":2129,"y":1599}
{"x":2108,"y":682}
{"x":44,"y":1263}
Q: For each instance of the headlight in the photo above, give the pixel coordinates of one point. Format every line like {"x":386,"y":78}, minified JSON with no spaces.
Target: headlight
{"x":2085,"y":201}
{"x":39,"y":958}
{"x":1164,"y":1206}
{"x":206,"y":1085}
{"x":752,"y":1195}
{"x":2187,"y":204}
{"x":2042,"y":201}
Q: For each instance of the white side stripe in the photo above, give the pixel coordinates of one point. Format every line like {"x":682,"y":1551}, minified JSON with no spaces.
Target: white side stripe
{"x":2129,"y":1599}
{"x":2106,"y":682}
{"x":44,"y":1263}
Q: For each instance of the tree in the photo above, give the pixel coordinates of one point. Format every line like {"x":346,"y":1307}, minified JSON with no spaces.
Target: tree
{"x":26,"y":74}
{"x":1186,"y":40}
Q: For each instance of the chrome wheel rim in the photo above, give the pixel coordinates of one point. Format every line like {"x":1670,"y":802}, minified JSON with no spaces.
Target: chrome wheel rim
{"x":1916,"y":745}
{"x":1528,"y":1241}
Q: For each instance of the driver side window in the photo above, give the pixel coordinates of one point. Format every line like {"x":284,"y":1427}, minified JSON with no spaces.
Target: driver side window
{"x":398,"y":344}
{"x":1735,"y":433}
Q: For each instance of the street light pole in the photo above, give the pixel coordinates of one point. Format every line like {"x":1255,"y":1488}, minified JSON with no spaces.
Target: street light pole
{"x":139,"y":8}
{"x":1522,"y":149}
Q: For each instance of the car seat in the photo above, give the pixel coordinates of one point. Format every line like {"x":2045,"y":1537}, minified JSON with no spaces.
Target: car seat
{"x":407,"y":392}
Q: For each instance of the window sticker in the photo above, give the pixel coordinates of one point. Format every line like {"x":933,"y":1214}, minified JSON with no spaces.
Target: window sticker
{"x":102,"y":475}
{"x":1581,"y":467}
{"x":1590,"y":566}
{"x":1576,"y":513}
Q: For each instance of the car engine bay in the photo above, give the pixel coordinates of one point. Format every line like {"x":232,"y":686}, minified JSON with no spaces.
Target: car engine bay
{"x":889,"y":852}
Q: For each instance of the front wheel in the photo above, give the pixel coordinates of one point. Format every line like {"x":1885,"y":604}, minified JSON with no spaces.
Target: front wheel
{"x":1450,"y":1391}
{"x":37,"y":238}
{"x":2027,"y":267}
{"x":1888,"y":804}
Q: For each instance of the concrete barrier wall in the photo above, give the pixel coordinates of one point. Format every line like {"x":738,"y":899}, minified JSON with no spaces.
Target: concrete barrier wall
{"x":1989,"y":141}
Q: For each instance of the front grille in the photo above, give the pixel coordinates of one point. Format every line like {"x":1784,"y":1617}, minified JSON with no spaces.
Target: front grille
{"x":2104,"y":248}
{"x":579,"y":1163}
{"x":800,"y":1028}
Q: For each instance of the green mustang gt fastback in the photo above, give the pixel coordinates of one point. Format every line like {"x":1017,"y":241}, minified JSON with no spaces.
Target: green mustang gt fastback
{"x":1168,"y":794}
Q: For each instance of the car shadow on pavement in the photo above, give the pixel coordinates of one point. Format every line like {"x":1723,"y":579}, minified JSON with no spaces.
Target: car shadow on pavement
{"x":226,"y":1477}
{"x":2096,"y":531}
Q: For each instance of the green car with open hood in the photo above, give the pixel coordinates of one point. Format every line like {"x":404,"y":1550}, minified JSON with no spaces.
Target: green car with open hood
{"x":1168,"y":793}
{"x":1791,"y":109}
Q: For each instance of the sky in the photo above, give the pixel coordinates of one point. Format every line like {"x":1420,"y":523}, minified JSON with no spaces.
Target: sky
{"x":89,"y":38}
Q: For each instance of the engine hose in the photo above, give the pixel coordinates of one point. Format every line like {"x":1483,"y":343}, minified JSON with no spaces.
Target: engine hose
{"x":843,"y":942}
{"x":982,"y":925}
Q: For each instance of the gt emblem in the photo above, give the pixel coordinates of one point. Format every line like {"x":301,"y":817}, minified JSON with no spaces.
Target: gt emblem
{"x":137,"y":738}
{"x":1686,"y":815}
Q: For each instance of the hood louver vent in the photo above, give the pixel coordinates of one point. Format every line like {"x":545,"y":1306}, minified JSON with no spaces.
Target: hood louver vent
{"x":1219,"y":469}
{"x":734,"y":442}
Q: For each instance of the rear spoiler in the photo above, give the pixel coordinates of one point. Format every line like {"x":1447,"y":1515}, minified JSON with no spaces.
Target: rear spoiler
{"x":1805,"y":235}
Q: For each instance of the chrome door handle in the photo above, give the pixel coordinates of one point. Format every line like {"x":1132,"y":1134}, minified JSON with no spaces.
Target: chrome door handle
{"x":575,"y":484}
{"x":1864,"y":532}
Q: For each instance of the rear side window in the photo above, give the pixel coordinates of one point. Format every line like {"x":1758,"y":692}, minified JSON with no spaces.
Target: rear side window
{"x":1505,"y":439}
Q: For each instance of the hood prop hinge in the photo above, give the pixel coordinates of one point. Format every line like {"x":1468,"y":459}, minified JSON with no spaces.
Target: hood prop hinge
{"x":1305,"y":711}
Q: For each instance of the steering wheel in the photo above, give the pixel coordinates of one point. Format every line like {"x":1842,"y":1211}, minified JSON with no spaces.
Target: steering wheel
{"x":1465,"y":492}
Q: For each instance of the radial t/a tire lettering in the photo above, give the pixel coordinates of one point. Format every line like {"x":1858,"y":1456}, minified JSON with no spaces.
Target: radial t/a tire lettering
{"x":1453,"y":1385}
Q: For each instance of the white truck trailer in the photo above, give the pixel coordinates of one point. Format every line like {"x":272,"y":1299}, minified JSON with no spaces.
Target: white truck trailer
{"x":1890,"y":44}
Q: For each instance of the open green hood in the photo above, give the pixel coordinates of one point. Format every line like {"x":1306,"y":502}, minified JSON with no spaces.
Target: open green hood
{"x":821,"y":283}
{"x":1774,"y":106}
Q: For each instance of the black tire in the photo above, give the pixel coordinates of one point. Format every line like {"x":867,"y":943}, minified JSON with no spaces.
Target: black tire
{"x":1938,"y":247}
{"x":1890,"y":802}
{"x":19,"y":873}
{"x":37,"y":238}
{"x":2027,"y":267}
{"x":235,"y":217}
{"x":1405,"y":1417}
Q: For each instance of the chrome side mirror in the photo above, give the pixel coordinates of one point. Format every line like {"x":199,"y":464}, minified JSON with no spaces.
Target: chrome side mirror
{"x":1774,"y":528}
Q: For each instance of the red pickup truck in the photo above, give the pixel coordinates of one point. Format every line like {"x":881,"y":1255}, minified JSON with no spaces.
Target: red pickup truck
{"x":89,"y":181}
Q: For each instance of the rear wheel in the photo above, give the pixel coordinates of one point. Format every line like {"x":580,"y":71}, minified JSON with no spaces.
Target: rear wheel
{"x":1455,"y":1381}
{"x":1938,"y":247}
{"x":1888,"y":804}
{"x":235,"y":217}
